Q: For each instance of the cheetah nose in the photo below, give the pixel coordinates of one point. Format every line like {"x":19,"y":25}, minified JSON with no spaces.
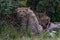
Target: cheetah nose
{"x":22,"y":15}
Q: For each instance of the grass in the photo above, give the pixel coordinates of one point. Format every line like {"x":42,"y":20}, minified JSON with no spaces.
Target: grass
{"x":11,"y":33}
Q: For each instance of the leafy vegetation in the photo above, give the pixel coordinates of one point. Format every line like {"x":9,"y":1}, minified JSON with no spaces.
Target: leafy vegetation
{"x":51,"y":7}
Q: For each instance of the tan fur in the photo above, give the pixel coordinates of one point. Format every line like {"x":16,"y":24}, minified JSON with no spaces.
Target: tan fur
{"x":43,"y":19}
{"x":33,"y":23}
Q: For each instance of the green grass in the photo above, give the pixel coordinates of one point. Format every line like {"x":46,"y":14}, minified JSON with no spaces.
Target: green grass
{"x":11,"y":33}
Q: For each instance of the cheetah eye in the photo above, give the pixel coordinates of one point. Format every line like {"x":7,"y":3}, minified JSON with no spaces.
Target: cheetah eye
{"x":23,"y":11}
{"x":19,"y":11}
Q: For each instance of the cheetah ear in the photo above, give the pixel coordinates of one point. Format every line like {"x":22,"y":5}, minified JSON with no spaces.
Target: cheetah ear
{"x":26,"y":9}
{"x":17,"y":9}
